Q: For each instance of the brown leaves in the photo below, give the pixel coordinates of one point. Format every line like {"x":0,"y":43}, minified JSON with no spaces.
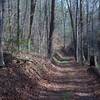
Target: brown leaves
{"x":36,"y":78}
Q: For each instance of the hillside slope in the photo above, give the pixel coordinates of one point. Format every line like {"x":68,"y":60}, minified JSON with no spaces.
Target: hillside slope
{"x":30,"y":77}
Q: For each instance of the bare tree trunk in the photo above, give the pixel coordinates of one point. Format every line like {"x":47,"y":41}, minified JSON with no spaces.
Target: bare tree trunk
{"x":47,"y":15}
{"x":40,"y":26}
{"x":64,"y":22}
{"x":99,"y":11}
{"x":51,"y":29}
{"x":10,"y":24}
{"x":46,"y":25}
{"x":77,"y":35}
{"x":32,"y":10}
{"x":18,"y":30}
{"x":93,"y":41}
{"x":23,"y":22}
{"x":1,"y":33}
{"x":9,"y":15}
{"x":72,"y":25}
{"x":81,"y":32}
{"x":87,"y":28}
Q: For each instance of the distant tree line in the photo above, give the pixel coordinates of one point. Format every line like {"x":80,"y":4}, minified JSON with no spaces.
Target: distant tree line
{"x":34,"y":25}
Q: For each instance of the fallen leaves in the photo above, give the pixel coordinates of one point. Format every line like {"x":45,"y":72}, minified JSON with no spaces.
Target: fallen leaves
{"x":38,"y":78}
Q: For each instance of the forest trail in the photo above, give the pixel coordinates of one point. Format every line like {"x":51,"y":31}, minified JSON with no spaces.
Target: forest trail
{"x":69,"y":81}
{"x":63,"y":79}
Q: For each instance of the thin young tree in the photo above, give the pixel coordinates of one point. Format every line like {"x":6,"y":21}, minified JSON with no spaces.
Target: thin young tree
{"x":99,"y":12}
{"x":72,"y":25}
{"x":81,"y":32}
{"x":47,"y":19}
{"x":1,"y":33}
{"x":50,"y":38}
{"x":76,"y":32}
{"x":9,"y":18}
{"x":32,"y":10}
{"x":18,"y":26}
{"x":64,"y":21}
{"x":46,"y":24}
{"x":87,"y":27}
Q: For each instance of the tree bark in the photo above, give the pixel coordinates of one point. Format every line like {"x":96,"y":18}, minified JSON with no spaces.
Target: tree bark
{"x":64,"y":22}
{"x":87,"y":27}
{"x":32,"y":10}
{"x":72,"y":25}
{"x":77,"y":35}
{"x":1,"y":33}
{"x":81,"y":32}
{"x":51,"y":29}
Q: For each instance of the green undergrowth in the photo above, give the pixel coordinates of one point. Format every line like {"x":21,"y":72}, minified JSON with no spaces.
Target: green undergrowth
{"x":67,"y":96}
{"x":61,"y":58}
{"x":98,"y":66}
{"x":59,"y":62}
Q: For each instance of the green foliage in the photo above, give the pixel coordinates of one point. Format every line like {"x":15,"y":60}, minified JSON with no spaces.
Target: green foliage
{"x":13,"y":42}
{"x":59,"y":62}
{"x":67,"y":96}
{"x":98,"y":66}
{"x":61,"y":58}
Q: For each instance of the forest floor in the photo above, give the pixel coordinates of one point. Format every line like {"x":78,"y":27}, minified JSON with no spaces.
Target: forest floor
{"x":29,"y":77}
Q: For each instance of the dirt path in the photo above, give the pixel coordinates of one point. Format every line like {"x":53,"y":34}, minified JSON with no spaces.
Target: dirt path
{"x":69,"y":82}
{"x":63,"y":79}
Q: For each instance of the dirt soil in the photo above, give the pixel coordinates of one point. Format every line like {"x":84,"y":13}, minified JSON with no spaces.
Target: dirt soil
{"x":30,"y":77}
